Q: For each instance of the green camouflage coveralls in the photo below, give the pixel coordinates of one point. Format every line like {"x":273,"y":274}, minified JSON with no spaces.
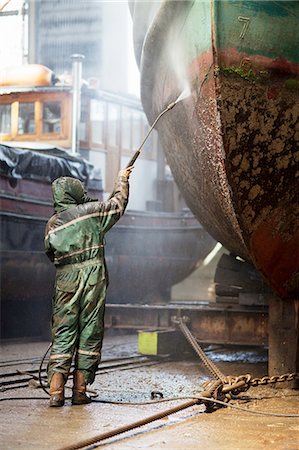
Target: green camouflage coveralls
{"x":74,"y":242}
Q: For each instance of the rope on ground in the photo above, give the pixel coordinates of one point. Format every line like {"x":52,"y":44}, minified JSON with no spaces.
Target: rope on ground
{"x":215,"y":371}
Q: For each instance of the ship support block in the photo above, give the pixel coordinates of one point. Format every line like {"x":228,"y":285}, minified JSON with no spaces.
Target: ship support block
{"x":284,"y":337}
{"x":230,"y":324}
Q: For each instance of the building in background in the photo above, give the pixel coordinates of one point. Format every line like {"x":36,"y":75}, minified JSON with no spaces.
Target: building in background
{"x":100,"y":30}
{"x":63,"y":27}
{"x":13,"y":33}
{"x":49,"y":31}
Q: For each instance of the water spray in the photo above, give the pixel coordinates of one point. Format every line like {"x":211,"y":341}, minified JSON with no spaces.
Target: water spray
{"x":186,"y":92}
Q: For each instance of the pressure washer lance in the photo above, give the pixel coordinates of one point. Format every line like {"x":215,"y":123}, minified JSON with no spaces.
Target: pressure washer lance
{"x":137,"y":153}
{"x":186,"y":92}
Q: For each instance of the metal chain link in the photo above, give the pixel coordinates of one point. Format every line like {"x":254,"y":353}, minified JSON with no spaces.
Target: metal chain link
{"x":263,"y":380}
{"x":274,"y":379}
{"x":246,"y":381}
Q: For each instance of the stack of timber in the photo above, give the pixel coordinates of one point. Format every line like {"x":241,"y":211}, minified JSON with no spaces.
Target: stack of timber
{"x":238,"y":282}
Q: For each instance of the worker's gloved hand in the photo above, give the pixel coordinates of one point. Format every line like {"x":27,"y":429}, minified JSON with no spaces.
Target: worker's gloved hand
{"x":126,"y":172}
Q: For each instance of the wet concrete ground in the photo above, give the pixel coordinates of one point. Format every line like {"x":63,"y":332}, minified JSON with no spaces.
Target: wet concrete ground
{"x":31,"y":424}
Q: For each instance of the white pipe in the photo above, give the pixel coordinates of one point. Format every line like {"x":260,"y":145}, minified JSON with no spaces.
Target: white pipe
{"x":76,"y":103}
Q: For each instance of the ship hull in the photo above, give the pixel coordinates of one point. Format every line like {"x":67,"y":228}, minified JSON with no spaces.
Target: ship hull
{"x":232,"y":144}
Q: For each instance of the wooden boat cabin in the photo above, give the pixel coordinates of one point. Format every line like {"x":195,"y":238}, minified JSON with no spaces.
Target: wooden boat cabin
{"x":111,"y":126}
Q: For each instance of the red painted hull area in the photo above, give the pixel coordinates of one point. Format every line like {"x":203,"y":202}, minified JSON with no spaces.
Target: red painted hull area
{"x":259,"y":124}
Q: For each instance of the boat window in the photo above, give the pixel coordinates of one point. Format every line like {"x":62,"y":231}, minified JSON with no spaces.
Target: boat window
{"x":26,"y":124}
{"x":97,"y":118}
{"x":51,"y":117}
{"x":126,"y":128}
{"x":5,"y":119}
{"x":136,"y":128}
{"x":113,"y":121}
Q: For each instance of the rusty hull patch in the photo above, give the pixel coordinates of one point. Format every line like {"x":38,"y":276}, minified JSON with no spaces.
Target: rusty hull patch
{"x":261,"y":137}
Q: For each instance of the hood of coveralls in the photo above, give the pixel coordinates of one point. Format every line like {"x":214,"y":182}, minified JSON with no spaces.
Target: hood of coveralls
{"x":68,"y":192}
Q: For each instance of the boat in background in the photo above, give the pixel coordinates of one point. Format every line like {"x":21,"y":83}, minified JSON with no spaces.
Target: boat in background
{"x":147,"y":251}
{"x":232,"y":141}
{"x":27,"y":276}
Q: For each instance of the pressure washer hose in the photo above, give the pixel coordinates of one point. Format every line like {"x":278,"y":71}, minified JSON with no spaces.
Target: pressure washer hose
{"x":40,"y":370}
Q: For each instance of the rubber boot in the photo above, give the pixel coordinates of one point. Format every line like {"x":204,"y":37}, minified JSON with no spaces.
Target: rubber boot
{"x":57,"y":390}
{"x":79,"y":390}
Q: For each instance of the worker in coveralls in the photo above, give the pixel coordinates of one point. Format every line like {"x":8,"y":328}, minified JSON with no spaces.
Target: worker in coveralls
{"x":74,"y":242}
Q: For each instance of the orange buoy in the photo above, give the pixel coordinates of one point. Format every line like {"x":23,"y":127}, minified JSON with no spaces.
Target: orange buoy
{"x":27,"y":75}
